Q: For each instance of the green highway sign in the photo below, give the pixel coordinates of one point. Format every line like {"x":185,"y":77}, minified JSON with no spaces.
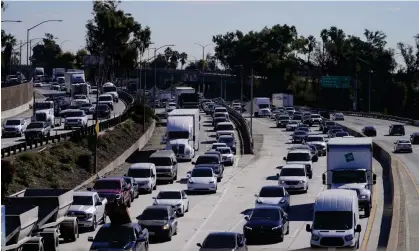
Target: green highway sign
{"x":335,"y":82}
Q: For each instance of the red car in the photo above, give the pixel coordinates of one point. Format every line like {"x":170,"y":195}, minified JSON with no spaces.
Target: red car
{"x":114,"y":190}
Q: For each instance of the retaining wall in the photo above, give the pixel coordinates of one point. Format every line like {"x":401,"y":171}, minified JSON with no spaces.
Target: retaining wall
{"x":15,"y":96}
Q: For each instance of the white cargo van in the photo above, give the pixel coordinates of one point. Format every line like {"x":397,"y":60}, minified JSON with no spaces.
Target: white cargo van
{"x":349,"y":166}
{"x":335,"y":220}
{"x":144,"y":175}
{"x":261,"y":107}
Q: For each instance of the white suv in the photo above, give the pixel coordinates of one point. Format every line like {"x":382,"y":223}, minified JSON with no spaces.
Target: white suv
{"x":293,"y":177}
{"x":75,"y":118}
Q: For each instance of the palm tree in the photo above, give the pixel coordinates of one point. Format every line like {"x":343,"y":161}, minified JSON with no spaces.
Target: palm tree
{"x":183,"y":57}
{"x":311,"y":45}
{"x":7,"y":43}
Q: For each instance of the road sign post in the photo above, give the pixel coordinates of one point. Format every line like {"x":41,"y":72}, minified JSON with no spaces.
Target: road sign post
{"x":340,"y":82}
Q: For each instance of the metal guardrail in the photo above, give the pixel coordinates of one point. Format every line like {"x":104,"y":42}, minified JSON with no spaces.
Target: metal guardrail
{"x":27,"y":146}
{"x":368,"y":115}
{"x":242,"y":126}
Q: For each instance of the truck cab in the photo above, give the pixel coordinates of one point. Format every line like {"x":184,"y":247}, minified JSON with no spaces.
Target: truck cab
{"x":261,"y":107}
{"x":349,"y":166}
{"x":110,"y":88}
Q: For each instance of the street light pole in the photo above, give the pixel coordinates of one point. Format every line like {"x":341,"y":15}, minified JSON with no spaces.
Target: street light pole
{"x":369,"y":91}
{"x":33,"y":27}
{"x":203,"y":67}
{"x":155,"y":71}
{"x":61,"y":44}
{"x":251,"y":105}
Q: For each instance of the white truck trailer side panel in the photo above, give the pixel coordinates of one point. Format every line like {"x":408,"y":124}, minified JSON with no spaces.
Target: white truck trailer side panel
{"x":278,"y":99}
{"x":194,"y":113}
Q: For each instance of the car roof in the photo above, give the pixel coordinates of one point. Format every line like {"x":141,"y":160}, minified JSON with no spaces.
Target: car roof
{"x":299,"y":151}
{"x":141,"y":165}
{"x":224,"y":147}
{"x":271,"y":187}
{"x":83,"y":193}
{"x":225,"y":123}
{"x":223,"y":233}
{"x":128,"y":225}
{"x":158,"y":206}
{"x":288,"y":166}
{"x":110,"y":179}
{"x":162,"y":153}
{"x":225,"y":136}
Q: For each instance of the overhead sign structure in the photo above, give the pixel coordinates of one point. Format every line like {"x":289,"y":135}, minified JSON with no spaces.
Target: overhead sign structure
{"x":335,"y":81}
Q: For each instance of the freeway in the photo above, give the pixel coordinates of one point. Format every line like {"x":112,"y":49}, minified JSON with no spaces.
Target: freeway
{"x":225,"y":210}
{"x":119,"y":108}
{"x":411,"y":160}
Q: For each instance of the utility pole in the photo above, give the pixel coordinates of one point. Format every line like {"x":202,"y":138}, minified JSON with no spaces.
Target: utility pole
{"x":369,"y":91}
{"x":251,"y":105}
{"x":221,"y":87}
{"x":203,"y":67}
{"x":97,"y":128}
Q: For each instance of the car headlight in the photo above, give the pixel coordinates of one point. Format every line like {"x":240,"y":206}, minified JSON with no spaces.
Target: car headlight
{"x":363,"y":196}
{"x":165,"y":227}
{"x":302,"y":181}
{"x":179,"y":204}
{"x":246,"y":227}
{"x":282,"y":182}
{"x":315,"y":237}
{"x":349,"y":237}
{"x":89,"y":216}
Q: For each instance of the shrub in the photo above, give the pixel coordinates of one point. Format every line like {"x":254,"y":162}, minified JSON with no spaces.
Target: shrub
{"x":85,"y":161}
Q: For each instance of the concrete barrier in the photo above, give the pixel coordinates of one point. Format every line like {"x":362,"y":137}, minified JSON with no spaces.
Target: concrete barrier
{"x":138,"y":145}
{"x":17,"y":110}
{"x":392,"y":208}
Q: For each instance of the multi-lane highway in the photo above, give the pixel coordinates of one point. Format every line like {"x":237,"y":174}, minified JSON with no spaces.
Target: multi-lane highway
{"x":119,"y":108}
{"x":225,"y":210}
{"x":411,"y":160}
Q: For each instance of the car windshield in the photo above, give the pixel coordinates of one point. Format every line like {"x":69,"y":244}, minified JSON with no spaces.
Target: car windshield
{"x":118,"y":235}
{"x":398,"y":126}
{"x":218,"y":120}
{"x":298,"y":157}
{"x":35,"y":125}
{"x":107,"y":184}
{"x":404,"y":142}
{"x":74,"y":114}
{"x":263,"y":106}
{"x":284,"y":118}
{"x":224,"y":150}
{"x":300,"y":133}
{"x":314,"y":139}
{"x":139,"y":173}
{"x":225,"y":127}
{"x":128,"y":180}
{"x":303,"y":147}
{"x":201,"y":172}
{"x":339,"y":114}
{"x":341,"y":134}
{"x":315,"y":116}
{"x":216,"y":145}
{"x":13,"y":122}
{"x":217,"y":241}
{"x":86,"y":105}
{"x":271,"y":192}
{"x":155,"y":214}
{"x":105,"y":98}
{"x":225,"y":140}
{"x":349,"y":176}
{"x":209,"y":159}
{"x":292,"y":122}
{"x":292,"y":172}
{"x":219,"y":115}
{"x":369,"y":128}
{"x":102,"y":107}
{"x":168,"y":195}
{"x":265,"y":214}
{"x":160,"y":161}
{"x":80,"y":97}
{"x":109,"y":89}
{"x":83,"y":200}
{"x":342,"y":220}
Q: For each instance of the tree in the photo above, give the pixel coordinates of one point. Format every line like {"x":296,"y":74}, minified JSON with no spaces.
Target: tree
{"x":170,"y":59}
{"x":183,"y":57}
{"x":115,"y":36}
{"x":8,"y":42}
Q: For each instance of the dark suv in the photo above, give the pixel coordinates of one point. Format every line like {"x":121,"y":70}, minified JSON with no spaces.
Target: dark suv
{"x":160,"y":220}
{"x":396,"y":130}
{"x":113,"y":189}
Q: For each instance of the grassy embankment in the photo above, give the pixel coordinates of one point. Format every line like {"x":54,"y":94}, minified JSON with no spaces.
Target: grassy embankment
{"x":69,"y":163}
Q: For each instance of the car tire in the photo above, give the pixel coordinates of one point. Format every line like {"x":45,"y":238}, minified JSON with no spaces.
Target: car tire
{"x":169,"y":235}
{"x":187,"y":208}
{"x":281,"y":236}
{"x":155,"y":187}
{"x":288,"y":229}
{"x":104,"y":217}
{"x":93,"y":227}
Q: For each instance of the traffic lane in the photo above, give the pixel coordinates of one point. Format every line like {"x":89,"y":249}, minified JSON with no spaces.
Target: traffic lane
{"x":199,"y":204}
{"x":119,"y":108}
{"x":301,"y":204}
{"x":382,"y":126}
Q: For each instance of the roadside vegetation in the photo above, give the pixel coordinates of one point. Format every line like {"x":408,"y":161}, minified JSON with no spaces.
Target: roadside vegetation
{"x":68,"y":164}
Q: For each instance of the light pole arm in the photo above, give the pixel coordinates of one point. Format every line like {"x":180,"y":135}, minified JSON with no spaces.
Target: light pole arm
{"x":46,"y":21}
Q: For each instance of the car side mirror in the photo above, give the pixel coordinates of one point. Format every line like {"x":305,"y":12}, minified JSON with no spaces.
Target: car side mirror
{"x":193,"y":162}
{"x":308,"y":228}
{"x":153,"y":175}
{"x":246,"y":217}
{"x":199,"y":245}
{"x":153,"y":198}
{"x":285,"y":158}
{"x":98,"y":203}
{"x":358,"y":228}
{"x":90,"y":239}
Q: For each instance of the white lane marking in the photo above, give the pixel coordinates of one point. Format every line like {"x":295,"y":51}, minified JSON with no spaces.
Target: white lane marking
{"x":214,"y":209}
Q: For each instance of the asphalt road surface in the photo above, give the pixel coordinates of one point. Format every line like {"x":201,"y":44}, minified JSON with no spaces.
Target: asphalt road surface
{"x":225,"y":210}
{"x":119,"y":108}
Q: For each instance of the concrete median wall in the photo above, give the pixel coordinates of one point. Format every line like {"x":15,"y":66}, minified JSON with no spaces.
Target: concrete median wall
{"x":14,"y":97}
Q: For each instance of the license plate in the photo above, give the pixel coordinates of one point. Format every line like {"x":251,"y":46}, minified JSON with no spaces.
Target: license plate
{"x":150,"y":233}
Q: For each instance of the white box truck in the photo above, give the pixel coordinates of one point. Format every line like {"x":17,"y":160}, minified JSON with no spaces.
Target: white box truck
{"x":73,"y":78}
{"x":261,"y":107}
{"x":349,"y":166}
{"x":183,"y":124}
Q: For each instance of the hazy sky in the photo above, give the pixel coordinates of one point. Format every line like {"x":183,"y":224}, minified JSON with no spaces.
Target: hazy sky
{"x":184,"y":23}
